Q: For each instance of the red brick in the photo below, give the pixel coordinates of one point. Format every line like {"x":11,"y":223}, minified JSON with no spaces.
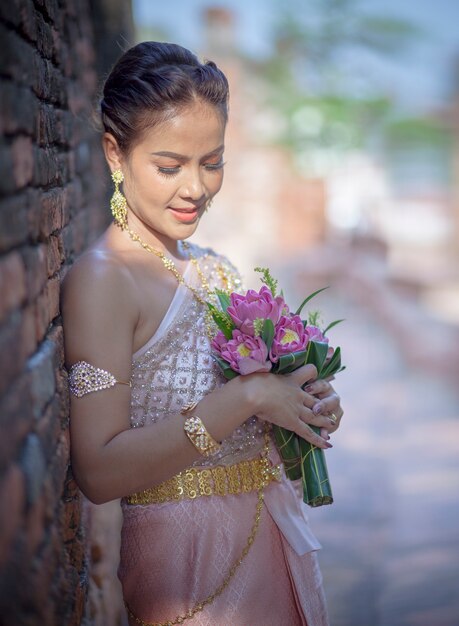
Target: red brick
{"x":13,"y":220}
{"x":55,"y":257}
{"x":35,"y":263}
{"x":17,"y":342}
{"x":12,"y":504}
{"x":51,"y":211}
{"x":23,"y":161}
{"x":16,"y":419}
{"x":35,"y":532}
{"x":12,"y":283}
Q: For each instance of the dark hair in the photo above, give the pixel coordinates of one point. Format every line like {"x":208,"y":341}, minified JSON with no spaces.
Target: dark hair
{"x":152,"y":82}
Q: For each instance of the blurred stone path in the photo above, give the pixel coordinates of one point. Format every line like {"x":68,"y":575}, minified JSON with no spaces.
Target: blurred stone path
{"x":391,"y":539}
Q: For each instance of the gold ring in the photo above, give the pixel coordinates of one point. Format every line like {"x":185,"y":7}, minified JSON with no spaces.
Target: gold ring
{"x":333,"y":417}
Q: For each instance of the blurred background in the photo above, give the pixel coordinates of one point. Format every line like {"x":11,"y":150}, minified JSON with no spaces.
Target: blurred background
{"x":343,"y":170}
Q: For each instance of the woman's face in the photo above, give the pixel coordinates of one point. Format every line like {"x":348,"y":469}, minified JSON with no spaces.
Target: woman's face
{"x":173,"y":171}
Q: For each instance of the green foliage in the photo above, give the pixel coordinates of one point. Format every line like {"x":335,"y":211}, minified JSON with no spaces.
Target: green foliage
{"x":267,"y":279}
{"x":223,"y":320}
{"x":307,"y":299}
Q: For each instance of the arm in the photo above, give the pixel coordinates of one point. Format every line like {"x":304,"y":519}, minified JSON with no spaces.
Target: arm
{"x":109,"y":458}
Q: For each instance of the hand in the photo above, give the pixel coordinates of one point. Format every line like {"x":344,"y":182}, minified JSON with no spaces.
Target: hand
{"x":282,"y":401}
{"x":326,"y":402}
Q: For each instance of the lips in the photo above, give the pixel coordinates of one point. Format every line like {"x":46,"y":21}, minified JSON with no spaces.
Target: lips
{"x":185,"y":215}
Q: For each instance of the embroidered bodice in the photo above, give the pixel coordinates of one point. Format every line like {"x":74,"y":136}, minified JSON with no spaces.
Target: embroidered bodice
{"x":176,"y":367}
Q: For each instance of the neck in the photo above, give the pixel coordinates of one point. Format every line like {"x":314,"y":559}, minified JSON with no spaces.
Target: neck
{"x":158,"y":241}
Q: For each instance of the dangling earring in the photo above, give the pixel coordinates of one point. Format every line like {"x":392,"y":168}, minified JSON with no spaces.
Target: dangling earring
{"x":118,"y":202}
{"x":208,"y":205}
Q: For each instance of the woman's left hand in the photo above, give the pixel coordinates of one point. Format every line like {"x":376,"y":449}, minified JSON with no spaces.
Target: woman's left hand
{"x":326,"y":402}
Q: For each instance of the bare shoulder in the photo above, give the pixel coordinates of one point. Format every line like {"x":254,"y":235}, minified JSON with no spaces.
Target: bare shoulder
{"x":99,"y":272}
{"x":99,"y":307}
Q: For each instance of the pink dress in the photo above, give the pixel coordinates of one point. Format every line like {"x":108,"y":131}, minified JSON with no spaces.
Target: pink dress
{"x":174,"y":555}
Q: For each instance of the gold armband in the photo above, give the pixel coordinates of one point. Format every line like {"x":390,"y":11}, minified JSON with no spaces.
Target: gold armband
{"x":199,"y":437}
{"x":85,"y":378}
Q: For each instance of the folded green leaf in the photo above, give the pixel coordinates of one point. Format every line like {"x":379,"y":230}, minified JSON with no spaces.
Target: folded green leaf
{"x":317,"y":353}
{"x":306,"y":300}
{"x":316,"y":484}
{"x":288,"y":447}
{"x":332,"y":324}
{"x":290,"y":362}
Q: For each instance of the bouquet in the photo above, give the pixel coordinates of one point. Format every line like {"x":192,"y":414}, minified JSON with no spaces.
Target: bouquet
{"x":259,"y":333}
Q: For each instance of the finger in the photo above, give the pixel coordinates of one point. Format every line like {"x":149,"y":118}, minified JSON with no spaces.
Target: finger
{"x":324,"y":433}
{"x":319,"y":387}
{"x":321,"y":421}
{"x":306,"y":432}
{"x":309,"y":400}
{"x":330,"y":404}
{"x":304,"y":374}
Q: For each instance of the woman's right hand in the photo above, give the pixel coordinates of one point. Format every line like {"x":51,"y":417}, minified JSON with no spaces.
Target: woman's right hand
{"x":282,"y":401}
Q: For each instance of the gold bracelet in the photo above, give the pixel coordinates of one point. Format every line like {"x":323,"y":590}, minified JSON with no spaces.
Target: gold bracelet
{"x":199,"y":437}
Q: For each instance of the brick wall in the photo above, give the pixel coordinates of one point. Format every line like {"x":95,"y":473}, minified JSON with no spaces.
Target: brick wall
{"x":52,"y":204}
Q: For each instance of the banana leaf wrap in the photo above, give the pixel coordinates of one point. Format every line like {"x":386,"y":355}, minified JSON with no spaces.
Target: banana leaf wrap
{"x":302,"y":459}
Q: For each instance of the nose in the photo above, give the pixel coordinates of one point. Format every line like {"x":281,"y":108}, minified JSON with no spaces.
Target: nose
{"x":193,"y":187}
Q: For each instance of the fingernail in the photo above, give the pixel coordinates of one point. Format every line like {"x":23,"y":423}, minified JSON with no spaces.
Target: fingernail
{"x":327,"y":437}
{"x":317,"y":409}
{"x":309,"y":388}
{"x":328,"y":445}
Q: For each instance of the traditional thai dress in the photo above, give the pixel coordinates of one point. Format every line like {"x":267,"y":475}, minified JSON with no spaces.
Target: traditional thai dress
{"x":178,"y":542}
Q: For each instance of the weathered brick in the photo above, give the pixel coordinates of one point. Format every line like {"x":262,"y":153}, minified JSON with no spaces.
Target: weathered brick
{"x":46,"y":307}
{"x":35,"y":523}
{"x":36,"y":269}
{"x":18,"y":109}
{"x":13,"y":220}
{"x":33,"y":464}
{"x":12,"y":283}
{"x":17,"y":342}
{"x":16,"y":419}
{"x":46,"y":171}
{"x":51,"y":211}
{"x":54,"y":255}
{"x":12,"y":497}
{"x":45,"y":40}
{"x":18,"y":57}
{"x":42,"y":381}
{"x":23,"y":161}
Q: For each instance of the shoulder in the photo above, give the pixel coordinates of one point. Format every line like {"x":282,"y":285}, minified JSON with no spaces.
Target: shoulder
{"x":98,"y":273}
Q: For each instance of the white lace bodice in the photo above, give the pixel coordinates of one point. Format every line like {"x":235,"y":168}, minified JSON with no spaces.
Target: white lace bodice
{"x":176,"y":367}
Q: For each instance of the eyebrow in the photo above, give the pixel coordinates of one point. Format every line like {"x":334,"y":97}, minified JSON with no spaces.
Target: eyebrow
{"x":182,"y":157}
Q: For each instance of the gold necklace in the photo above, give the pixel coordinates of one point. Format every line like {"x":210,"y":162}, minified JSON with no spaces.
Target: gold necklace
{"x":170,"y":265}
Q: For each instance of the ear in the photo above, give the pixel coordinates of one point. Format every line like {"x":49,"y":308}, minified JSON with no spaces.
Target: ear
{"x":112,"y":152}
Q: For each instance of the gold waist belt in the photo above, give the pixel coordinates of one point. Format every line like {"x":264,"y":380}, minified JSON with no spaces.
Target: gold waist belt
{"x":213,"y":481}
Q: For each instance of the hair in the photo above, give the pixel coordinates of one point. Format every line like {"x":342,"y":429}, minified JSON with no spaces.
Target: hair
{"x":151,"y":83}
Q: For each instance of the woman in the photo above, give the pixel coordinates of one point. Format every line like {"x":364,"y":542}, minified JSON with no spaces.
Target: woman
{"x":211,"y":533}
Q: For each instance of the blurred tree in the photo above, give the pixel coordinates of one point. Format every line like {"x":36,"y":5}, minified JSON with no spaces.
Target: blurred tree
{"x":316,"y":77}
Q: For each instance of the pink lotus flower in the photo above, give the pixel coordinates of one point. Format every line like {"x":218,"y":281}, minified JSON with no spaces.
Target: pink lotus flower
{"x":255,"y":305}
{"x":244,"y":354}
{"x":290,"y":336}
{"x":315,"y":334}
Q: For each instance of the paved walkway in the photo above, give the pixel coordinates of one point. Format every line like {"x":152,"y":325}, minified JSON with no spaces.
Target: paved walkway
{"x":391,"y":539}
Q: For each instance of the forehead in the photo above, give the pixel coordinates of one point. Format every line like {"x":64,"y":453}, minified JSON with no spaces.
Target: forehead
{"x":199,"y":128}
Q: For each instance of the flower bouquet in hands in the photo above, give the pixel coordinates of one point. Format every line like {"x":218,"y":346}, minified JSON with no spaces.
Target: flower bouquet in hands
{"x":259,"y":333}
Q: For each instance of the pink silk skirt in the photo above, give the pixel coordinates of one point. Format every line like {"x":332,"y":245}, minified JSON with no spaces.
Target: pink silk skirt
{"x":175,"y":555}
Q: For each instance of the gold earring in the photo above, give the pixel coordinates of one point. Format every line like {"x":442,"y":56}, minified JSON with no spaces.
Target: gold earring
{"x":118,"y":202}
{"x":208,"y":205}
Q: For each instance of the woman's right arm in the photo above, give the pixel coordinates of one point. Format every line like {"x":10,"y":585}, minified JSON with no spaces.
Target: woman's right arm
{"x":110,"y":459}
